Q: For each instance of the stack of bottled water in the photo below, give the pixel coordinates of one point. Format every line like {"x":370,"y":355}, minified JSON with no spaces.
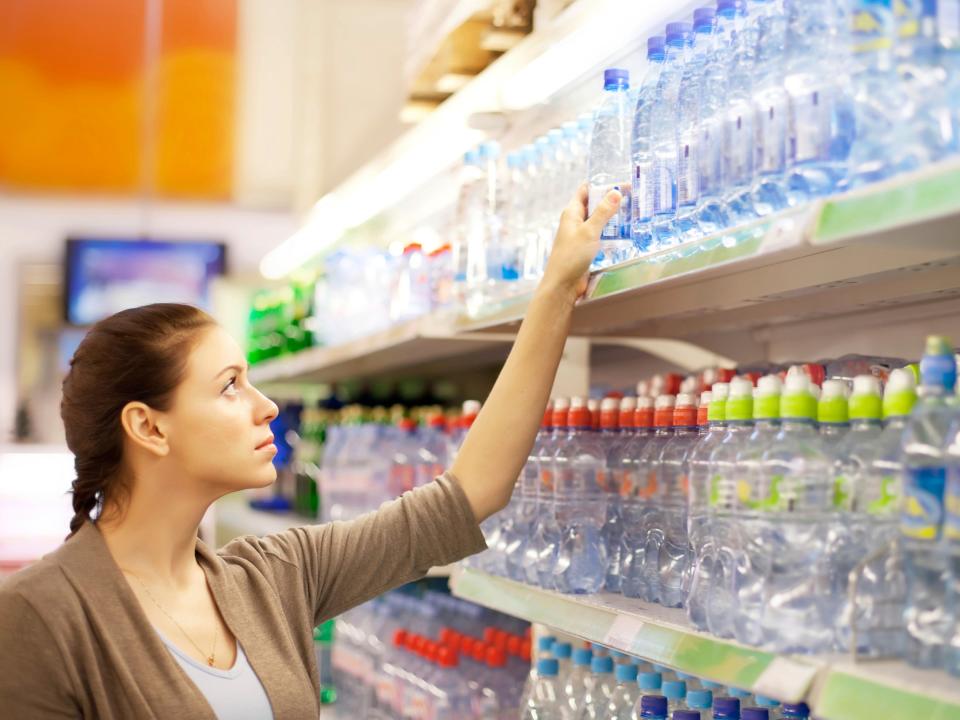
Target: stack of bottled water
{"x":428,"y":656}
{"x":604,"y":684}
{"x":770,"y":513}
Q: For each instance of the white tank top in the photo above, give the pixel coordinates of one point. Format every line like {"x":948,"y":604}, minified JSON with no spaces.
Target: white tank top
{"x":234,"y":694}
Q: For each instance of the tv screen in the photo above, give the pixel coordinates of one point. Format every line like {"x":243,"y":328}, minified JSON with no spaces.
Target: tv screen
{"x":106,"y":276}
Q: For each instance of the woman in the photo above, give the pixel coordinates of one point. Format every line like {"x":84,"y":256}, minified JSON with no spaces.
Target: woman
{"x":133,"y":617}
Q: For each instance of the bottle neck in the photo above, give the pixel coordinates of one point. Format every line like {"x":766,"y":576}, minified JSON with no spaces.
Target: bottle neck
{"x":863,"y":424}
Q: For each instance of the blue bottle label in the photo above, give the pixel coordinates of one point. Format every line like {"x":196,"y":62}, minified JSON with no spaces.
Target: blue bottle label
{"x":952,"y":503}
{"x":922,"y":515}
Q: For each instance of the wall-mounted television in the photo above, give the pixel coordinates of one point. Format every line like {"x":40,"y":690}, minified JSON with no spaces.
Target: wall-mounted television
{"x":104,"y":276}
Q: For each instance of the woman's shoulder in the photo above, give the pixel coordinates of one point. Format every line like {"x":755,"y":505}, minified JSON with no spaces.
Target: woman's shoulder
{"x":41,"y":586}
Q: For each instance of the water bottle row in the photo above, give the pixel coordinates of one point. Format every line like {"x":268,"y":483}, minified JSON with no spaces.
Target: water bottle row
{"x":755,"y":510}
{"x":371,"y":457}
{"x":596,"y":683}
{"x":431,"y":657}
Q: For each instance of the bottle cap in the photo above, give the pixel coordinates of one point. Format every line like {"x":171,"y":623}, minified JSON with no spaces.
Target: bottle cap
{"x":728,"y":6}
{"x":663,"y":416}
{"x":526,"y":651}
{"x":548,"y":667}
{"x":865,"y":402}
{"x":569,"y":129}
{"x":766,"y":398}
{"x":585,"y":121}
{"x":738,"y":693}
{"x":727,"y":708}
{"x":610,"y":414}
{"x":628,"y":407}
{"x":643,"y":415}
{"x":615,"y":76}
{"x":655,"y":45}
{"x":399,"y":637}
{"x":718,"y":402}
{"x":514,"y":159}
{"x":626,"y":673}
{"x":545,"y":644}
{"x":686,"y":715}
{"x":489,"y":150}
{"x":833,"y":406}
{"x":755,"y":713}
{"x":514,"y":644}
{"x":649,"y":681}
{"x":938,"y":367}
{"x":795,"y":710}
{"x":703,"y":18}
{"x":674,"y":689}
{"x":740,"y":401}
{"x":601,"y":664}
{"x":562,"y":651}
{"x":555,"y":134}
{"x":653,"y":705}
{"x":700,"y":699}
{"x":710,"y":685}
{"x":703,"y":412}
{"x":582,"y":656}
{"x":797,"y":401}
{"x":900,"y":394}
{"x":768,"y":702}
{"x":678,"y":31}
{"x":495,"y":657}
{"x":685,"y":412}
{"x":447,"y":658}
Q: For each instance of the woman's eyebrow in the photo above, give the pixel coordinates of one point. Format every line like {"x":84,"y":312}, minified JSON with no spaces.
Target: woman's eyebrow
{"x":236,"y":368}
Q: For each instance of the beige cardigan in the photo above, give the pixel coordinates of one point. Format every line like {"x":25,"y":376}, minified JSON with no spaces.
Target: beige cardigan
{"x":74,"y":641}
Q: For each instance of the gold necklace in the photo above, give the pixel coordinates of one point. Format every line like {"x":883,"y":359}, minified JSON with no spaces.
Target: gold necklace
{"x":212,"y":656}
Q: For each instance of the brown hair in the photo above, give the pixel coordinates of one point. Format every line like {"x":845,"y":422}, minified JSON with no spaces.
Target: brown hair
{"x":137,"y":355}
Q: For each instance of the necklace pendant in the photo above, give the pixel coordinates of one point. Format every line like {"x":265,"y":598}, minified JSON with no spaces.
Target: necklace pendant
{"x":210,"y":661}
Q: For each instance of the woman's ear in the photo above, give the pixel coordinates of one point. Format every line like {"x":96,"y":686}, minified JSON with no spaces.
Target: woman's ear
{"x":141,"y":425}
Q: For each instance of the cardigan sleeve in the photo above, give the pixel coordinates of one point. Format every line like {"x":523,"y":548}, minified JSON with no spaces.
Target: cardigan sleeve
{"x":33,"y":679}
{"x":342,"y":564}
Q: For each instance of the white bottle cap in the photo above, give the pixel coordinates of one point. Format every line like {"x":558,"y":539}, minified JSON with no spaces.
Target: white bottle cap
{"x":769,"y":385}
{"x":628,"y":403}
{"x":833,"y":389}
{"x":593,"y":404}
{"x":609,"y":405}
{"x":706,"y":397}
{"x":686,"y":400}
{"x":561,"y":403}
{"x":901,"y":380}
{"x":665,"y":401}
{"x":721,"y":391}
{"x":643,"y":389}
{"x":814,"y":389}
{"x":689,"y":385}
{"x":797,"y":383}
{"x":740,"y":387}
{"x":644,"y":402}
{"x":577,"y":402}
{"x":866,"y":385}
{"x":471,"y":407}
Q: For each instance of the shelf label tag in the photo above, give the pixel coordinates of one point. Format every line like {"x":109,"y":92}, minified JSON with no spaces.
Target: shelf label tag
{"x":786,"y":680}
{"x":622,"y":632}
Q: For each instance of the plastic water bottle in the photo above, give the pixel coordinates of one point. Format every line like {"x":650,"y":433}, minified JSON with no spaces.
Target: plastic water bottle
{"x":639,"y":574}
{"x":469,"y":221}
{"x":795,"y":711}
{"x":516,"y":207}
{"x":948,"y":32}
{"x":548,"y":207}
{"x":788,"y":542}
{"x":525,"y":519}
{"x":738,"y":133}
{"x":688,"y":124}
{"x":669,"y":532}
{"x":610,"y":163}
{"x":884,"y":143}
{"x":699,"y":531}
{"x":543,"y":558}
{"x":817,"y":80}
{"x":833,"y":415}
{"x":622,"y":463}
{"x":724,"y":498}
{"x":726,"y":708}
{"x":546,"y":701}
{"x":644,"y":181}
{"x":653,"y":707}
{"x":771,"y":107}
{"x":563,"y":652}
{"x":921,"y":522}
{"x":615,"y":436}
{"x":581,"y":506}
{"x":663,"y":133}
{"x":952,"y":533}
{"x":675,"y":691}
{"x":624,"y":695}
{"x":701,"y":700}
{"x":578,"y":681}
{"x":532,"y":252}
{"x":600,"y":689}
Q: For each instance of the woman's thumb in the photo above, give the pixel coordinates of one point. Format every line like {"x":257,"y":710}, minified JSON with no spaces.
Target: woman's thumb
{"x":604,"y":210}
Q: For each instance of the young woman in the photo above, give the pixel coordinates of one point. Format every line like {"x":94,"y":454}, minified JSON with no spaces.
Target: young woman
{"x":133,"y":617}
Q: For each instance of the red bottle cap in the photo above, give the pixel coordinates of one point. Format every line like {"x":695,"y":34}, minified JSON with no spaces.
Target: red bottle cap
{"x":671,"y":383}
{"x":725,"y":375}
{"x":437,"y":421}
{"x":447,"y":658}
{"x":399,"y":637}
{"x":514,"y":643}
{"x":685,"y":415}
{"x":526,"y":649}
{"x":547,"y":417}
{"x":496,"y":657}
{"x":580,"y":418}
{"x":702,"y":413}
{"x":560,"y":418}
{"x":480,"y":651}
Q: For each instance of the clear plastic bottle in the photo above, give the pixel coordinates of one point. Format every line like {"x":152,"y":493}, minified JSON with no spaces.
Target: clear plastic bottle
{"x":675,"y":691}
{"x":738,"y":133}
{"x":541,"y":557}
{"x":624,"y":695}
{"x":599,"y":690}
{"x":610,"y":163}
{"x":833,"y":415}
{"x":663,"y":133}
{"x":699,"y":530}
{"x":532,"y":267}
{"x":644,"y":183}
{"x":921,"y":522}
{"x":948,"y":32}
{"x":668,"y":536}
{"x":771,"y":107}
{"x":817,"y":80}
{"x":639,"y":573}
{"x":688,"y":124}
{"x":524,"y":525}
{"x":469,"y":221}
{"x":516,"y":207}
{"x":724,"y":499}
{"x":563,"y":652}
{"x":546,"y":701}
{"x":581,"y":506}
{"x":616,"y":425}
{"x":632,"y":482}
{"x":544,"y":644}
{"x":579,"y":680}
{"x":952,"y":538}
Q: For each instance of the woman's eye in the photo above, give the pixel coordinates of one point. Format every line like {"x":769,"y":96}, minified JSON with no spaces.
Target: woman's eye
{"x":231,"y":387}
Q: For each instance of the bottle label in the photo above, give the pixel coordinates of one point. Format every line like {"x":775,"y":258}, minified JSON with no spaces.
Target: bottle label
{"x":810,"y":126}
{"x":869,"y":31}
{"x":948,"y":21}
{"x":922,"y":515}
{"x":771,"y":136}
{"x":842,"y":493}
{"x":738,"y":139}
{"x":749,"y":495}
{"x":887,"y":501}
{"x":612,"y":230}
{"x":952,"y":503}
{"x":709,"y":154}
{"x":665,"y":184}
{"x":643,"y":192}
{"x":688,"y":170}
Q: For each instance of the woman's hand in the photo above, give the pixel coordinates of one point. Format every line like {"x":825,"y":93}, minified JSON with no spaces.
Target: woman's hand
{"x":578,"y":242}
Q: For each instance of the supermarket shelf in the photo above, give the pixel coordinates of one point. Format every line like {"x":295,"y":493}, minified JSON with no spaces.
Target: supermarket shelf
{"x":235,"y":518}
{"x":836,"y":687}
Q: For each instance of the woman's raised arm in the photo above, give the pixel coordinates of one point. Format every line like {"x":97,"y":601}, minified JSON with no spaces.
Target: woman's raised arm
{"x":500,"y":440}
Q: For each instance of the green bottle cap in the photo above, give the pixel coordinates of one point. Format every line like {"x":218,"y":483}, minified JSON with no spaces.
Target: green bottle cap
{"x":900,"y":394}
{"x":797,"y":402}
{"x":865,"y":402}
{"x":833,"y":406}
{"x":718,"y":402}
{"x":766,"y":400}
{"x":740,"y":402}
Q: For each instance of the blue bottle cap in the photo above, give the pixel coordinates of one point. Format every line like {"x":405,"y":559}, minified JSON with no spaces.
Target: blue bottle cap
{"x":545,"y":643}
{"x":615,"y":76}
{"x":603,"y":664}
{"x":678,"y":32}
{"x":562,"y":651}
{"x":530,"y":153}
{"x":675,"y":689}
{"x":686,"y":715}
{"x":556,"y":134}
{"x":711,"y":685}
{"x":626,"y":673}
{"x":514,"y":159}
{"x":755,"y":713}
{"x":489,"y":150}
{"x":700,"y":699}
{"x":938,"y":367}
{"x":729,"y":7}
{"x":764,"y":701}
{"x":569,"y":129}
{"x":653,"y":706}
{"x":649,"y":681}
{"x":470,"y":157}
{"x":548,"y":667}
{"x":703,"y":18}
{"x":738,"y":693}
{"x":585,"y":121}
{"x":726,"y":708}
{"x":582,"y":656}
{"x":655,"y":45}
{"x":795,"y":710}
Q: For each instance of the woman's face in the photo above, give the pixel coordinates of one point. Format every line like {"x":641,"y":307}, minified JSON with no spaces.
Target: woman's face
{"x":219,"y":424}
